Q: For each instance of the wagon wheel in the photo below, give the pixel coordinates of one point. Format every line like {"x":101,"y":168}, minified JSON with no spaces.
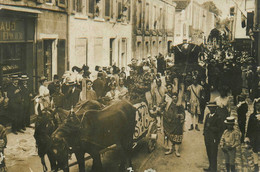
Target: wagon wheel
{"x":152,"y":142}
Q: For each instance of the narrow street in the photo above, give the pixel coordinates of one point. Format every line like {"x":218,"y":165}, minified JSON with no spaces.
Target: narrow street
{"x":21,"y":154}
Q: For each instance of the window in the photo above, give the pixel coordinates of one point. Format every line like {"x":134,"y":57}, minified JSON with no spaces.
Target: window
{"x":78,"y":6}
{"x":119,"y":9}
{"x":62,"y":3}
{"x":91,"y":6}
{"x":129,"y":12}
{"x":107,"y":8}
{"x":48,"y":1}
{"x":147,"y":16}
{"x":140,"y":14}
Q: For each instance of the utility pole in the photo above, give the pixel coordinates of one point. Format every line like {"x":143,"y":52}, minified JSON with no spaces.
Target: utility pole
{"x":257,"y":30}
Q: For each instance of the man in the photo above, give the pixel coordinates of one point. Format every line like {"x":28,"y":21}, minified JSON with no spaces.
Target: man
{"x":26,"y":98}
{"x":206,"y":91}
{"x":90,"y":94}
{"x":212,"y":136}
{"x":55,"y":92}
{"x":99,"y":85}
{"x":122,"y":89}
{"x":15,"y":101}
{"x":72,"y":96}
{"x":196,"y":93}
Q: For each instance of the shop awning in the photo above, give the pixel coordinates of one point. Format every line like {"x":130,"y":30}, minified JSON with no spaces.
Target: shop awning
{"x":19,"y":9}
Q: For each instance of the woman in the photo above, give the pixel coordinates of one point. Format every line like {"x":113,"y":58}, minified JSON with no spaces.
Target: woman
{"x":90,"y":94}
{"x":223,"y":106}
{"x":253,"y":132}
{"x":173,"y":121}
{"x":44,"y":93}
{"x":113,"y":94}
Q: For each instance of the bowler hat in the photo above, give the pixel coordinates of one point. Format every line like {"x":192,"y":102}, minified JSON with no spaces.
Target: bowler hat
{"x":212,"y":106}
{"x":230,"y":120}
{"x":24,"y":77}
{"x":71,"y":83}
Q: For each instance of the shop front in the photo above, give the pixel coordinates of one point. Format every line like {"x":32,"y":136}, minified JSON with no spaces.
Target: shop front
{"x":17,"y":31}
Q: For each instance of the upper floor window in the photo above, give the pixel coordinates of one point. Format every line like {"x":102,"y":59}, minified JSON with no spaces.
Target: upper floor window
{"x":139,"y":24}
{"x":119,"y":9}
{"x":147,"y":16}
{"x":109,"y":8}
{"x":78,"y":5}
{"x":91,"y":6}
{"x":48,"y":1}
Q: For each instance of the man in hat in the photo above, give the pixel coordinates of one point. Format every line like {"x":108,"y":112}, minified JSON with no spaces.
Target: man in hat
{"x":15,"y":101}
{"x":228,"y":143}
{"x":242,"y":109}
{"x":72,"y":95}
{"x":26,"y":98}
{"x":99,"y":85}
{"x":211,"y":136}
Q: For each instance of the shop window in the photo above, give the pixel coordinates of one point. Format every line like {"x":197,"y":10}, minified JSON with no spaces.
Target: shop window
{"x":13,"y":57}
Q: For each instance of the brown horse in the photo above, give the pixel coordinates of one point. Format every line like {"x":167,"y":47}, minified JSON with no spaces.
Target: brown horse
{"x":48,"y":121}
{"x":97,"y":130}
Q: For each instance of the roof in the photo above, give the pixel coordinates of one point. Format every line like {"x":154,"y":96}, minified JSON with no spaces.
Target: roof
{"x":20,"y":9}
{"x":181,"y":4}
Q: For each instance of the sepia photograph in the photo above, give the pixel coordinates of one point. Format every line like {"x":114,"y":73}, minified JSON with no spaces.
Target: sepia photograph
{"x":129,"y":85}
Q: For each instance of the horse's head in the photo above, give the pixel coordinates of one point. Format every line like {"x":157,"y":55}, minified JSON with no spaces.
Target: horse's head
{"x":60,"y":150}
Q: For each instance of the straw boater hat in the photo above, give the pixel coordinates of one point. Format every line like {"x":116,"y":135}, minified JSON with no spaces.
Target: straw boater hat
{"x":43,"y":78}
{"x":230,"y":120}
{"x":14,"y":77}
{"x":24,"y":78}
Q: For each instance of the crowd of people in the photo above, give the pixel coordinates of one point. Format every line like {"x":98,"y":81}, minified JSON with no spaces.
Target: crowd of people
{"x":166,"y":94}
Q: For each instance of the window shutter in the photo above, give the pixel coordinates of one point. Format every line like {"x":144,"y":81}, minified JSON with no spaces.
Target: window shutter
{"x":129,"y":12}
{"x":107,"y":8}
{"x":119,"y":9}
{"x":61,"y":57}
{"x":62,"y":3}
{"x":40,"y":59}
{"x":91,"y":6}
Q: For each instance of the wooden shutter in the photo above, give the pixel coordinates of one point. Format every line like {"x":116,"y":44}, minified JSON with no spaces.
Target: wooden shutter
{"x":61,"y":56}
{"x":119,"y":9}
{"x":62,"y":3}
{"x":91,"y":6}
{"x":107,"y":8}
{"x":40,"y":60}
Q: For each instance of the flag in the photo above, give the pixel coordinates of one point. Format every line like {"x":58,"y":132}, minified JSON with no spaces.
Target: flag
{"x":243,"y":20}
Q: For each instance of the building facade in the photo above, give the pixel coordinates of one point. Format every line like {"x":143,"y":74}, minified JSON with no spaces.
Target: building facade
{"x":153,"y":27}
{"x":33,"y":38}
{"x":193,"y":22}
{"x":99,"y":33}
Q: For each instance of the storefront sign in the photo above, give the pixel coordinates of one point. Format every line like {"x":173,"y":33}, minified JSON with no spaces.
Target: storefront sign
{"x":12,"y":29}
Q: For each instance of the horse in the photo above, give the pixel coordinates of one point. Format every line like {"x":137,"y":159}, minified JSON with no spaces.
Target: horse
{"x":95,"y":131}
{"x":47,"y":121}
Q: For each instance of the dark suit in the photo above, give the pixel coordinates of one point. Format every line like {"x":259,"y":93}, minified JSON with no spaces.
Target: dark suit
{"x":212,"y":137}
{"x":14,"y":106}
{"x":241,"y":115}
{"x":26,"y":108}
{"x":71,"y":98}
{"x":98,"y":87}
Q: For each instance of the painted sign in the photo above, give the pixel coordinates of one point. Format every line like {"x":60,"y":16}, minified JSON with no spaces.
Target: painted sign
{"x":12,"y":29}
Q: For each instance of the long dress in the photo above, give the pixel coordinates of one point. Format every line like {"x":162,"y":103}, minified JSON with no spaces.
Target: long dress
{"x":173,"y":123}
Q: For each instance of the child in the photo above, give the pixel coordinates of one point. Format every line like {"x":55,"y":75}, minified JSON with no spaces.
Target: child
{"x":229,"y":141}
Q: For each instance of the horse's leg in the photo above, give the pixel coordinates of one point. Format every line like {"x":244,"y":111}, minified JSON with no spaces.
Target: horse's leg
{"x":52,"y":161}
{"x":122,"y":157}
{"x":81,"y":161}
{"x":43,"y":163}
{"x":97,"y":165}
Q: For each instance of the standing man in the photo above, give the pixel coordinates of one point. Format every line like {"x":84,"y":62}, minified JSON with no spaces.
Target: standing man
{"x":195,"y":91}
{"x":99,"y":85}
{"x":212,"y":136}
{"x":15,"y":101}
{"x":26,"y":98}
{"x":72,"y":96}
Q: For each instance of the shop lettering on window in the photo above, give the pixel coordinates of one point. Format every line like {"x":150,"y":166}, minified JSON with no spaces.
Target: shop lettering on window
{"x":11,"y":30}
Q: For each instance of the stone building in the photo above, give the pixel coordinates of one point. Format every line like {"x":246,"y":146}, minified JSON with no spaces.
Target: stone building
{"x":99,"y":33}
{"x":33,"y":38}
{"x":153,"y":27}
{"x":193,"y":22}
